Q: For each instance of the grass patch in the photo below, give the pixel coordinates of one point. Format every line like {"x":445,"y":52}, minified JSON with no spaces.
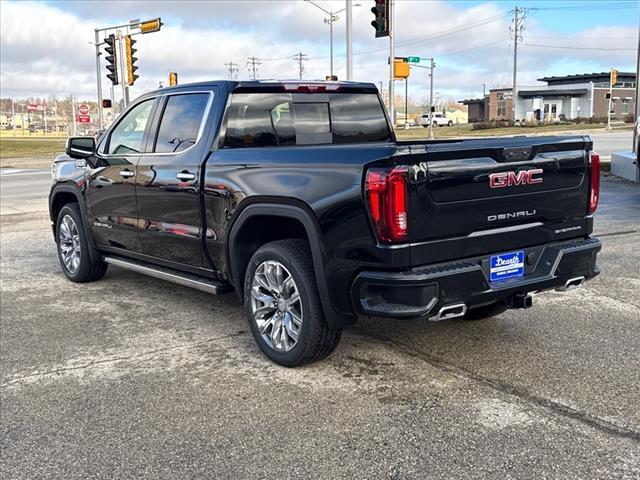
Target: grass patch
{"x":30,"y":147}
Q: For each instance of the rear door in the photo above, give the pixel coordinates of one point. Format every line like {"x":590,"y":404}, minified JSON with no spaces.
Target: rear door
{"x":111,"y":200}
{"x":168,"y":180}
{"x":472,"y":187}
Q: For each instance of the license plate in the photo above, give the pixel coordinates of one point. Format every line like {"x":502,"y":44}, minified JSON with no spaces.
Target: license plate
{"x":506,"y":265}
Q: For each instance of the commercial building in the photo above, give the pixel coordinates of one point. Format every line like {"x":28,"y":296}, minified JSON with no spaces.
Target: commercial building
{"x":564,"y":97}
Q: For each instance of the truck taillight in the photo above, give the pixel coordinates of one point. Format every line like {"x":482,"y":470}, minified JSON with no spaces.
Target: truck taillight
{"x":594,"y":182}
{"x":386,"y":192}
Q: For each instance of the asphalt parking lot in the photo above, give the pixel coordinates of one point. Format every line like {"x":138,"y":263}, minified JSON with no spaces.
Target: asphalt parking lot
{"x":131,"y":377}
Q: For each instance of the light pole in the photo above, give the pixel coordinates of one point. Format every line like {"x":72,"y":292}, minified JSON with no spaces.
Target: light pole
{"x":332,"y":17}
{"x":13,"y":110}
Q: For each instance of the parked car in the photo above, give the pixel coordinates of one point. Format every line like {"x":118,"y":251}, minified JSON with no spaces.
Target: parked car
{"x":298,"y":197}
{"x":439,"y":120}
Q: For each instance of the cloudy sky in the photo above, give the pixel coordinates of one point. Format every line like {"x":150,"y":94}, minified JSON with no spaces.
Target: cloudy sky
{"x":49,"y":42}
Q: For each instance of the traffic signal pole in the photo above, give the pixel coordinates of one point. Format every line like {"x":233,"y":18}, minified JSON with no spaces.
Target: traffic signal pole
{"x":99,"y":81}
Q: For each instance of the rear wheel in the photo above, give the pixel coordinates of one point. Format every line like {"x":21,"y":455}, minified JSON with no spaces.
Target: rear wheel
{"x":283,"y":306}
{"x":73,"y":247}
{"x":486,"y":311}
{"x":449,"y":123}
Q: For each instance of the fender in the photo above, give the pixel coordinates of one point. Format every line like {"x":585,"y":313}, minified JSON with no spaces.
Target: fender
{"x":312,"y":228}
{"x":69,"y":188}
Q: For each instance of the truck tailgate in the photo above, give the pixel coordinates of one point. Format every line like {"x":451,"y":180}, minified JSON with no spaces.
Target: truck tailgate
{"x":479,"y":187}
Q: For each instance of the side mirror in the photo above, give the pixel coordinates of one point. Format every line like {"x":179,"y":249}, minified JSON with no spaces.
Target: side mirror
{"x":81,"y":147}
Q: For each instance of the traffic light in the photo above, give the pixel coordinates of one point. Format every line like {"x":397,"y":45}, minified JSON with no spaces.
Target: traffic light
{"x":129,"y":42}
{"x":400,"y":69}
{"x":112,"y":58}
{"x":614,"y":76}
{"x":382,"y":22}
{"x":150,"y":26}
{"x":173,"y":79}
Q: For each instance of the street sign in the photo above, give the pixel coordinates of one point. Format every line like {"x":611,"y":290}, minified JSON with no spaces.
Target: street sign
{"x":84,"y":118}
{"x":33,"y":107}
{"x":413,"y":59}
{"x":83,"y":109}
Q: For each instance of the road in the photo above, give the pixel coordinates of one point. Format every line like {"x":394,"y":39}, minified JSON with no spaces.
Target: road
{"x":131,"y":377}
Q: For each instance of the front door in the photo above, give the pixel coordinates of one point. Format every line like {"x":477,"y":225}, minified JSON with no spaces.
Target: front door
{"x":168,"y":180}
{"x":111,"y":197}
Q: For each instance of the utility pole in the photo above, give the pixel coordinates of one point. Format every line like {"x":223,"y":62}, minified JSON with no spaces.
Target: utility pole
{"x":392,"y":61}
{"x":516,"y":30}
{"x":122,"y":66}
{"x":233,"y":70}
{"x":252,"y":64}
{"x":432,"y":65}
{"x":13,"y":109}
{"x":635,"y":147}
{"x":73,"y":115}
{"x":99,"y":80}
{"x":610,"y":100}
{"x":300,"y":58}
{"x":349,"y":22}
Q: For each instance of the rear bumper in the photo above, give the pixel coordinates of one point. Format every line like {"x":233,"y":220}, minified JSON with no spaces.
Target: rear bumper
{"x":424,"y":291}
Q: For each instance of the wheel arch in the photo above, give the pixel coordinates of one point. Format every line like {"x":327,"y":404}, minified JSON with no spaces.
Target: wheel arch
{"x":61,"y":195}
{"x":303,"y":224}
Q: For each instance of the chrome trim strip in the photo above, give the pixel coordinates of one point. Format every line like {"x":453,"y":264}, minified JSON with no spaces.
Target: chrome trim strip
{"x":512,"y":228}
{"x":203,"y":123}
{"x":164,"y":275}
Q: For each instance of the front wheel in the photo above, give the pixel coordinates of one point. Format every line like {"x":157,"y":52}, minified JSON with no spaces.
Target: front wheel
{"x":283,"y":306}
{"x":450,"y":124}
{"x":73,"y":247}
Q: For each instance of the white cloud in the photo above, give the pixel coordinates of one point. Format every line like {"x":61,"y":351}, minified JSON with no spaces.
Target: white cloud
{"x":50,"y":42}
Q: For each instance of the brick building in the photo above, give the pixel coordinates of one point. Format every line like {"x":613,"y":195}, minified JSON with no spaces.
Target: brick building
{"x":570,"y":96}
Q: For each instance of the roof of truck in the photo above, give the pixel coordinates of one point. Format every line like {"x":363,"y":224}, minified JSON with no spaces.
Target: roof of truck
{"x":281,"y":85}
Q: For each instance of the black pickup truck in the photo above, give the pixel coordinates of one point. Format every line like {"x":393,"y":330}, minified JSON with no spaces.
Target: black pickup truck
{"x":298,"y":196}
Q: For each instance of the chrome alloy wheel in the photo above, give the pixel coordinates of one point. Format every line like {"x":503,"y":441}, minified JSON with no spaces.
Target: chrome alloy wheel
{"x":275,"y":305}
{"x":69,"y":239}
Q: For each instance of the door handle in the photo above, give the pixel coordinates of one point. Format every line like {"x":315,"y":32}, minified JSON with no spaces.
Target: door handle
{"x":185,"y":176}
{"x":126,"y":173}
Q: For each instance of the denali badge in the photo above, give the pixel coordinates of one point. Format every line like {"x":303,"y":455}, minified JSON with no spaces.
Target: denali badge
{"x":507,"y":216}
{"x":508,"y":179}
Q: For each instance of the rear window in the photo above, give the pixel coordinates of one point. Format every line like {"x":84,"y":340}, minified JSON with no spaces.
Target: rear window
{"x":285,"y":119}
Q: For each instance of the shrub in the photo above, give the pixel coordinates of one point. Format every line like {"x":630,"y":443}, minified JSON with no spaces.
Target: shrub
{"x":629,"y":118}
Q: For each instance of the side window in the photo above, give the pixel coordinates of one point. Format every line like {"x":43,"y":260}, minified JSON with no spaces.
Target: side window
{"x":181,"y":122}
{"x":127,"y":137}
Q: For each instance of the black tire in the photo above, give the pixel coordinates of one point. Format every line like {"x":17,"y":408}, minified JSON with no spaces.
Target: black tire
{"x":449,"y":123}
{"x":316,"y":340}
{"x":486,"y":311}
{"x":86,"y":270}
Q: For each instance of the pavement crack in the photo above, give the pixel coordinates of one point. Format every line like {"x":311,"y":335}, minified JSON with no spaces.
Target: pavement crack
{"x":615,"y":234}
{"x":558,"y":408}
{"x":94,"y":363}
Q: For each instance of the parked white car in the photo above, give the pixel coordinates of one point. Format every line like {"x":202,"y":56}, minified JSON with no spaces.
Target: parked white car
{"x":439,"y":120}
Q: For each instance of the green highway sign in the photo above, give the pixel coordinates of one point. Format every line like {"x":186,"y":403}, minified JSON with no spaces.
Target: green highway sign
{"x":413,"y":59}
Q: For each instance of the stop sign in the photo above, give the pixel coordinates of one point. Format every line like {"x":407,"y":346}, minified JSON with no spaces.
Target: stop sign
{"x":83,"y":109}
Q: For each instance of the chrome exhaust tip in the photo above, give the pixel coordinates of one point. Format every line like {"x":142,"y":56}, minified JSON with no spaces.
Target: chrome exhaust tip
{"x":449,"y":311}
{"x":572,"y":283}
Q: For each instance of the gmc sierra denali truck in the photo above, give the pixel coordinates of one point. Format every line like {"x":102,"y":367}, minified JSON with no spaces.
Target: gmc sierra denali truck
{"x":298,"y":196}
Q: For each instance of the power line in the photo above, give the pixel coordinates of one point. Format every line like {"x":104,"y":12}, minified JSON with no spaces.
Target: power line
{"x":252,"y":65}
{"x":580,"y":48}
{"x":300,"y":58}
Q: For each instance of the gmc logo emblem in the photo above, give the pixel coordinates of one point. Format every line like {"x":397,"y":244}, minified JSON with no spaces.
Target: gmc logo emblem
{"x":509,"y":179}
